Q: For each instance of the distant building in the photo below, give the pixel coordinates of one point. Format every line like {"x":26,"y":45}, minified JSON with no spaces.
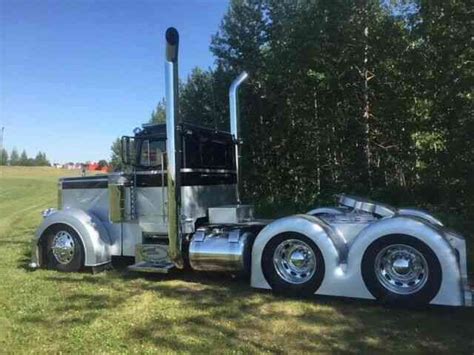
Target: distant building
{"x":70,"y":166}
{"x":96,"y":167}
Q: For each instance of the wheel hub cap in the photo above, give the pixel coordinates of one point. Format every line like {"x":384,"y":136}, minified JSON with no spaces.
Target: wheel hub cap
{"x":294,"y":261}
{"x":401,"y":269}
{"x":63,"y":247}
{"x":401,"y":266}
{"x":297,"y":259}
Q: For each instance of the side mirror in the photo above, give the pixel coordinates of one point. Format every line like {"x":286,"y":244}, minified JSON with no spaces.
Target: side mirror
{"x":128,"y":151}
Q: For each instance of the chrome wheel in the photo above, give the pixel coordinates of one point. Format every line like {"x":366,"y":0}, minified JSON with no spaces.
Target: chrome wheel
{"x":294,"y":261}
{"x":401,"y":269}
{"x":63,"y":247}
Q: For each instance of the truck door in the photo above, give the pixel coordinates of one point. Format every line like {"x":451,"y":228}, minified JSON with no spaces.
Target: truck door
{"x":151,"y":187}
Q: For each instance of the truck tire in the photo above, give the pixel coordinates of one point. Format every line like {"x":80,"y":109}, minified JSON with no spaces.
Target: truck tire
{"x":64,"y":250}
{"x":401,"y":270}
{"x":293,"y":264}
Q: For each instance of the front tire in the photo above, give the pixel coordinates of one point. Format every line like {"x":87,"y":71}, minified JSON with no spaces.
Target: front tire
{"x":64,"y":250}
{"x":400,"y":269}
{"x":293,"y":264}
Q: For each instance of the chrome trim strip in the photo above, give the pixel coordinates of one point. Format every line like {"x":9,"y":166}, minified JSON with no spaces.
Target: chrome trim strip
{"x":188,"y":170}
{"x":83,"y":180}
{"x":150,"y":172}
{"x":200,"y":170}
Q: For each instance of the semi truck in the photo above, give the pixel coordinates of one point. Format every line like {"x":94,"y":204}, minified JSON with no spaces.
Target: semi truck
{"x":177,"y":205}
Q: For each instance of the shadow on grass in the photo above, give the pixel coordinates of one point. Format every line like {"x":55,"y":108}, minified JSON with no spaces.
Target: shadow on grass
{"x":215,"y":312}
{"x":224,"y":312}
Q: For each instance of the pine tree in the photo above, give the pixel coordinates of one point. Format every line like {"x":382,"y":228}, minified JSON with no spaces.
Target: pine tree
{"x":41,"y":159}
{"x":14,"y":157}
{"x":24,"y":159}
{"x":198,"y":88}
{"x":159,"y":114}
{"x":115,"y":159}
{"x":3,"y":157}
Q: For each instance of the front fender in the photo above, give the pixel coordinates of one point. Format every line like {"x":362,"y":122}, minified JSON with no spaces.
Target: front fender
{"x":94,"y":237}
{"x":451,"y":290}
{"x":332,"y":246}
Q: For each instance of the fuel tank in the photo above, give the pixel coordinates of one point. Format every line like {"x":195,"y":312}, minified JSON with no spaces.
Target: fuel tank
{"x":221,"y":249}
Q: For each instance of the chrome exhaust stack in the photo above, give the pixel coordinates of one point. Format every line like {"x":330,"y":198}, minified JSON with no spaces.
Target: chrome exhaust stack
{"x":234,"y":124}
{"x":173,"y":147}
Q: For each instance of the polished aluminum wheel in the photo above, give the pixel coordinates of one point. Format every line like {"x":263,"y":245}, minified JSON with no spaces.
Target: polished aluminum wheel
{"x":294,"y":261}
{"x":401,"y":269}
{"x":63,"y":247}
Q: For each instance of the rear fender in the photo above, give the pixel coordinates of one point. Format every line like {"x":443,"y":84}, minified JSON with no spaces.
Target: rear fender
{"x":327,"y":210}
{"x":332,"y":246}
{"x":93,"y":235}
{"x":415,"y":212}
{"x":451,"y":290}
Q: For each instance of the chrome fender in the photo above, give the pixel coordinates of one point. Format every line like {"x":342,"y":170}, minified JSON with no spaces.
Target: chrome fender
{"x":451,"y":290}
{"x":415,"y":212}
{"x":332,"y":245}
{"x":324,"y":210}
{"x":94,"y":236}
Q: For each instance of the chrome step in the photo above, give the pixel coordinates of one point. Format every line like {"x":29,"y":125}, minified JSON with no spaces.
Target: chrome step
{"x":147,"y":266}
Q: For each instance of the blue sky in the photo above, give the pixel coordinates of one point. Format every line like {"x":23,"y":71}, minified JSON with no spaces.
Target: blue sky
{"x":76,"y":74}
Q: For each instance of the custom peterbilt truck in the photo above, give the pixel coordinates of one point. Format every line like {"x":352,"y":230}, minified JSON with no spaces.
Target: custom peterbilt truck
{"x":178,"y":206}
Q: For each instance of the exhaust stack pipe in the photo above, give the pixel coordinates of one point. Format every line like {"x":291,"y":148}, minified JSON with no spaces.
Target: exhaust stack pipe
{"x":234,"y":123}
{"x":173,"y":147}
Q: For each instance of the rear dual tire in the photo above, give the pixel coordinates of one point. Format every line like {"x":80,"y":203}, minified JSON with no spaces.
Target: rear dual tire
{"x":293,"y":264}
{"x":401,"y":270}
{"x":396,"y":269}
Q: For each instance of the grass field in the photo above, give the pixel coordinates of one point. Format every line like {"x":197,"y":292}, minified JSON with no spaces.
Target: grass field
{"x":115,"y":311}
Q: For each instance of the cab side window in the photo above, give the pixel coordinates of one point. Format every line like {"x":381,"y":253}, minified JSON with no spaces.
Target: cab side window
{"x":207,"y":153}
{"x":152,"y":153}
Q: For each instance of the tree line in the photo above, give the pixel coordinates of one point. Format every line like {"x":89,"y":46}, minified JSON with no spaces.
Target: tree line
{"x":366,"y":97}
{"x":16,"y":159}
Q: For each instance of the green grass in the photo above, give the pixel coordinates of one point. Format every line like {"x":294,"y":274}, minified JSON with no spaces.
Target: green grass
{"x":115,"y":311}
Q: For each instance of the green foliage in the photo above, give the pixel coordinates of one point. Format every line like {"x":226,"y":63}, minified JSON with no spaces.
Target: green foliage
{"x":3,"y":157}
{"x":14,"y":157}
{"x":158,"y":115}
{"x":364,"y":97}
{"x":23,"y":159}
{"x":369,"y":97}
{"x":41,"y":160}
{"x":198,"y":88}
{"x":115,"y":159}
